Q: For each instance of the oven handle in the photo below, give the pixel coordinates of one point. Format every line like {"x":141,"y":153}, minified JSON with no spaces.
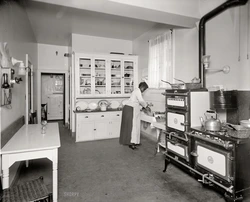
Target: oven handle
{"x":185,"y":123}
{"x":176,"y":136}
{"x":174,"y":143}
{"x":178,"y":94}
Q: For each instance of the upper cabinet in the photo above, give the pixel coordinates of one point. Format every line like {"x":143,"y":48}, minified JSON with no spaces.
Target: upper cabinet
{"x":105,"y":75}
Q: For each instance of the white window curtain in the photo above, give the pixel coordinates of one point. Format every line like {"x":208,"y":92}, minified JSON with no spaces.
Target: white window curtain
{"x":160,"y":65}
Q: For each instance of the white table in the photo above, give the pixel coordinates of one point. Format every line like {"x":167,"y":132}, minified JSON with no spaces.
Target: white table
{"x":27,"y":144}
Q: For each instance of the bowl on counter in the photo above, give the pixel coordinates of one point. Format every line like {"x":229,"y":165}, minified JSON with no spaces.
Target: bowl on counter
{"x":239,"y":131}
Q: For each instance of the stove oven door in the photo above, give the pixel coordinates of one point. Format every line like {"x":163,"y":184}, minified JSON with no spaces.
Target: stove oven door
{"x":213,"y":159}
{"x":177,"y":147}
{"x":177,"y":120}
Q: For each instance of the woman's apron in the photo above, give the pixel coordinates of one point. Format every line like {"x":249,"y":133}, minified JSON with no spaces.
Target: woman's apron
{"x":135,"y":134}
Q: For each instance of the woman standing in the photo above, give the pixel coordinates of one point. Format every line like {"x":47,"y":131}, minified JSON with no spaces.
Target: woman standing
{"x":130,"y":125}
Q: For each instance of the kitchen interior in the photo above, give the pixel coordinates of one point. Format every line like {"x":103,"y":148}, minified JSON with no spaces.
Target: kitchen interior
{"x":85,"y":59}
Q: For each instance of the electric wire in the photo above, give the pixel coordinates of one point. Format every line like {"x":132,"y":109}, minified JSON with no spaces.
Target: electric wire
{"x":239,"y":31}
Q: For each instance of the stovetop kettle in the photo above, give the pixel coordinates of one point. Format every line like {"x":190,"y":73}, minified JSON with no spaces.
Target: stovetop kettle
{"x":211,"y":124}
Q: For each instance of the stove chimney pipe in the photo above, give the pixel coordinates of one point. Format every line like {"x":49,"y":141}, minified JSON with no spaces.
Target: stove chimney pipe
{"x":202,"y":29}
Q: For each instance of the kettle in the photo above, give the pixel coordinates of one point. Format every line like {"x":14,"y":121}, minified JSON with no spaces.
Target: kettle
{"x":103,"y":104}
{"x":211,"y":124}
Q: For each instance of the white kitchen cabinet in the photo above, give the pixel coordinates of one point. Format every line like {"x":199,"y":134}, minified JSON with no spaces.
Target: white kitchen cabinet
{"x":97,"y":125}
{"x":84,"y":131}
{"x":105,"y":75}
{"x":101,"y":129}
{"x":115,"y":125}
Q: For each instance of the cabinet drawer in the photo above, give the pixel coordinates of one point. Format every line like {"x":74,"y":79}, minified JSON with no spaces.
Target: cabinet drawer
{"x":86,"y":117}
{"x":116,"y":115}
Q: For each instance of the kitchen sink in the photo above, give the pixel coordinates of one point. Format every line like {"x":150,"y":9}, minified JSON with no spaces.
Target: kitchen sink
{"x":153,"y":117}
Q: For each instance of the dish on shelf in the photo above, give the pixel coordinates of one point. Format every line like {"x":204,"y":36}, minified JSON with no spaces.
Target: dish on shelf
{"x":92,"y":105}
{"x":82,"y":81}
{"x":81,"y":105}
{"x":87,"y":82}
{"x":86,"y":75}
{"x":129,"y":67}
{"x":114,"y":104}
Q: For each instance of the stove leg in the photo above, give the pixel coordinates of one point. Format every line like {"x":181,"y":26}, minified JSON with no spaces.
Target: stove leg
{"x":230,"y":198}
{"x":167,"y":161}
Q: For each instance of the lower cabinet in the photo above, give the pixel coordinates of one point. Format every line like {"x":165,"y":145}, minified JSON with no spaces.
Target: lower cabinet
{"x":97,"y":125}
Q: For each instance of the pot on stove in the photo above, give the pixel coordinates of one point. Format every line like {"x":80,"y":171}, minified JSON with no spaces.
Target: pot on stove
{"x":211,"y":124}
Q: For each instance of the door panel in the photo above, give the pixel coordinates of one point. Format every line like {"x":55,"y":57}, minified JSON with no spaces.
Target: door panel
{"x":85,"y":131}
{"x":115,"y":127}
{"x":101,"y":129}
{"x":55,"y":106}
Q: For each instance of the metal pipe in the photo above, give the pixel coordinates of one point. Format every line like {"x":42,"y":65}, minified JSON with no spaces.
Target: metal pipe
{"x":202,"y":29}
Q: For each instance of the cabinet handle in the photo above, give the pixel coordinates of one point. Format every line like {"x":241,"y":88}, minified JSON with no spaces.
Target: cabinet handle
{"x":86,"y":117}
{"x":117,"y":114}
{"x":102,"y":115}
{"x":94,"y":129}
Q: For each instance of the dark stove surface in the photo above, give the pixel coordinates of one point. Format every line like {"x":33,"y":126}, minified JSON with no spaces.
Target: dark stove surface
{"x":223,"y":135}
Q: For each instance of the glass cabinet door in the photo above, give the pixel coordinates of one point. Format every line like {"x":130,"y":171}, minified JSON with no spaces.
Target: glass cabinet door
{"x":84,"y":76}
{"x":128,"y":76}
{"x":100,"y":76}
{"x":116,"y":77}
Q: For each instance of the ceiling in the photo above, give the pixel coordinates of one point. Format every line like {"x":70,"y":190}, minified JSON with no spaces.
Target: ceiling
{"x":54,"y":23}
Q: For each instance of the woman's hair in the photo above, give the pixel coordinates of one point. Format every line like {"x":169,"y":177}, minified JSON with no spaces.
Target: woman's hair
{"x":143,"y":85}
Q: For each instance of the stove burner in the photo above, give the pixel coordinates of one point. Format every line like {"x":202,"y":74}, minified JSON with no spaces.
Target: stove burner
{"x":220,"y":132}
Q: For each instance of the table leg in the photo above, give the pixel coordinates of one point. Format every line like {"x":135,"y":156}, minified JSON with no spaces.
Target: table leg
{"x":6,"y":178}
{"x":158,"y":131}
{"x":55,"y":176}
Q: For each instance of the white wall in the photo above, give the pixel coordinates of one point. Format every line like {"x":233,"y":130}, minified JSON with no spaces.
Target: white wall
{"x":17,"y":32}
{"x":222,"y":43}
{"x":52,"y":57}
{"x":244,"y":71}
{"x":93,"y":44}
{"x":186,"y":54}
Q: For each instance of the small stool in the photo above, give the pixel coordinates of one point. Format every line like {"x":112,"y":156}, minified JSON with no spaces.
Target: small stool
{"x":30,"y":191}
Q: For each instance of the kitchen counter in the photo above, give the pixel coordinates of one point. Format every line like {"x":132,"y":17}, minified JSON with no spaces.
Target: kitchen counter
{"x":98,"y":110}
{"x":159,"y":125}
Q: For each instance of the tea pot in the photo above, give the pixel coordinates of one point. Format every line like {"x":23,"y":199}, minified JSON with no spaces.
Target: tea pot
{"x":211,"y":124}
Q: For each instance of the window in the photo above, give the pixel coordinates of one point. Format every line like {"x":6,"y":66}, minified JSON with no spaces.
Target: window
{"x":160,"y":66}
